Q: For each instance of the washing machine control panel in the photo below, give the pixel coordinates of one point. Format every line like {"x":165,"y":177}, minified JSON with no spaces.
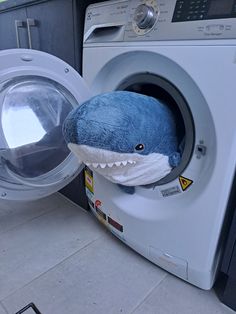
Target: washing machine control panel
{"x":152,"y":20}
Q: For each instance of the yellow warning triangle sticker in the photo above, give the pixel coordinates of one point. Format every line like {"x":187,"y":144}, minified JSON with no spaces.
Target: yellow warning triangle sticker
{"x":185,"y":183}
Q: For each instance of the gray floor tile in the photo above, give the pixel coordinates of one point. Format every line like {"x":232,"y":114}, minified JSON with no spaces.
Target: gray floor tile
{"x":174,"y":296}
{"x":15,"y":213}
{"x":2,"y":311}
{"x":29,"y":311}
{"x":104,"y":277}
{"x":34,"y":247}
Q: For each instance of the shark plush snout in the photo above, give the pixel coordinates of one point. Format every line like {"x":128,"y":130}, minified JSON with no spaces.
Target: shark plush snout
{"x":128,"y":138}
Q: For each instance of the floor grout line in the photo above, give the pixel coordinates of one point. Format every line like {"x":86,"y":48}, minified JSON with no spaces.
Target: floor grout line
{"x":41,"y":215}
{"x":148,"y":294}
{"x":4,"y":308}
{"x":52,"y":268}
{"x":30,"y":220}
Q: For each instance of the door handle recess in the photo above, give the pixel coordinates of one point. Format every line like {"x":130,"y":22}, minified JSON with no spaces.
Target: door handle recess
{"x":30,"y":23}
{"x":18,"y":24}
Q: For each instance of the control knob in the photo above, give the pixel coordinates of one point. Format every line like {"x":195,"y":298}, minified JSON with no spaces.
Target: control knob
{"x":144,"y":16}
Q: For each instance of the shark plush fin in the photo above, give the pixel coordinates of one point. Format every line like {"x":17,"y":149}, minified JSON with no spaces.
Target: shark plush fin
{"x":174,"y":159}
{"x":127,"y":189}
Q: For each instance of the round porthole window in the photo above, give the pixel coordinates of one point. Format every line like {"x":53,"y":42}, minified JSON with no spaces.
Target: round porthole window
{"x":33,"y":110}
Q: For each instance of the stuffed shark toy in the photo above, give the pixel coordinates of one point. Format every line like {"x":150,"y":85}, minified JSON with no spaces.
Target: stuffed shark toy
{"x":128,"y":138}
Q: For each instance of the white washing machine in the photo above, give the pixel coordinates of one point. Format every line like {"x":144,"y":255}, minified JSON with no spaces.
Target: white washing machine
{"x":184,"y":53}
{"x":160,"y":48}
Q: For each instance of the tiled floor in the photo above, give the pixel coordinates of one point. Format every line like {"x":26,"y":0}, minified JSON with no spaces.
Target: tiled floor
{"x":58,"y":256}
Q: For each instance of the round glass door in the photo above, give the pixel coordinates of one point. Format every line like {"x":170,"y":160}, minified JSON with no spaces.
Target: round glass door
{"x":32,"y":148}
{"x":32,"y":113}
{"x":37,"y":91}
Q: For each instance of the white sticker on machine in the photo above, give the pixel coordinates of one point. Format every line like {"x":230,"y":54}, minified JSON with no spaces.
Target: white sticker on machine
{"x":170,"y":191}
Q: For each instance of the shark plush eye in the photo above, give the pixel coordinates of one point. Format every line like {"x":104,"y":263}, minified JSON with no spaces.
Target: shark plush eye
{"x":139,"y":147}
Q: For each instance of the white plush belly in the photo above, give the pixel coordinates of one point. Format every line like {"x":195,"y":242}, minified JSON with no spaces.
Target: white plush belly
{"x":126,"y":169}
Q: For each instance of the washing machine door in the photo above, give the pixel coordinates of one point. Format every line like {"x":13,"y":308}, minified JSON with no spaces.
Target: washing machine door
{"x":37,"y":91}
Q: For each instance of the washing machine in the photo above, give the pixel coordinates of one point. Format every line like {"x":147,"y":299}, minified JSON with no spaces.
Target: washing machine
{"x":184,"y":54}
{"x":181,"y":52}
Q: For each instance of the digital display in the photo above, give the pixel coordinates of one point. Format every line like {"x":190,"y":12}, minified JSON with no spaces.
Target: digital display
{"x":196,"y":10}
{"x":220,"y":7}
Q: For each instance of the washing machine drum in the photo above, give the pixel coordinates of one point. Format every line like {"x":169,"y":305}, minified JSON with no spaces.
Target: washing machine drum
{"x":34,"y":158}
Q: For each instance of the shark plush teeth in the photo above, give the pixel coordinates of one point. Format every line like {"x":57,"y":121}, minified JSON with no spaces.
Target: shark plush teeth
{"x":110,"y":164}
{"x":128,"y":138}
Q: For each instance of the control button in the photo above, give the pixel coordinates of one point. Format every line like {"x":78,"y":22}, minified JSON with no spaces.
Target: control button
{"x":144,"y":16}
{"x":215,"y":28}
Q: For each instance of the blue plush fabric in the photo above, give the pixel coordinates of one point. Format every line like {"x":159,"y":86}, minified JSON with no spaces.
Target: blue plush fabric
{"x":120,"y":120}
